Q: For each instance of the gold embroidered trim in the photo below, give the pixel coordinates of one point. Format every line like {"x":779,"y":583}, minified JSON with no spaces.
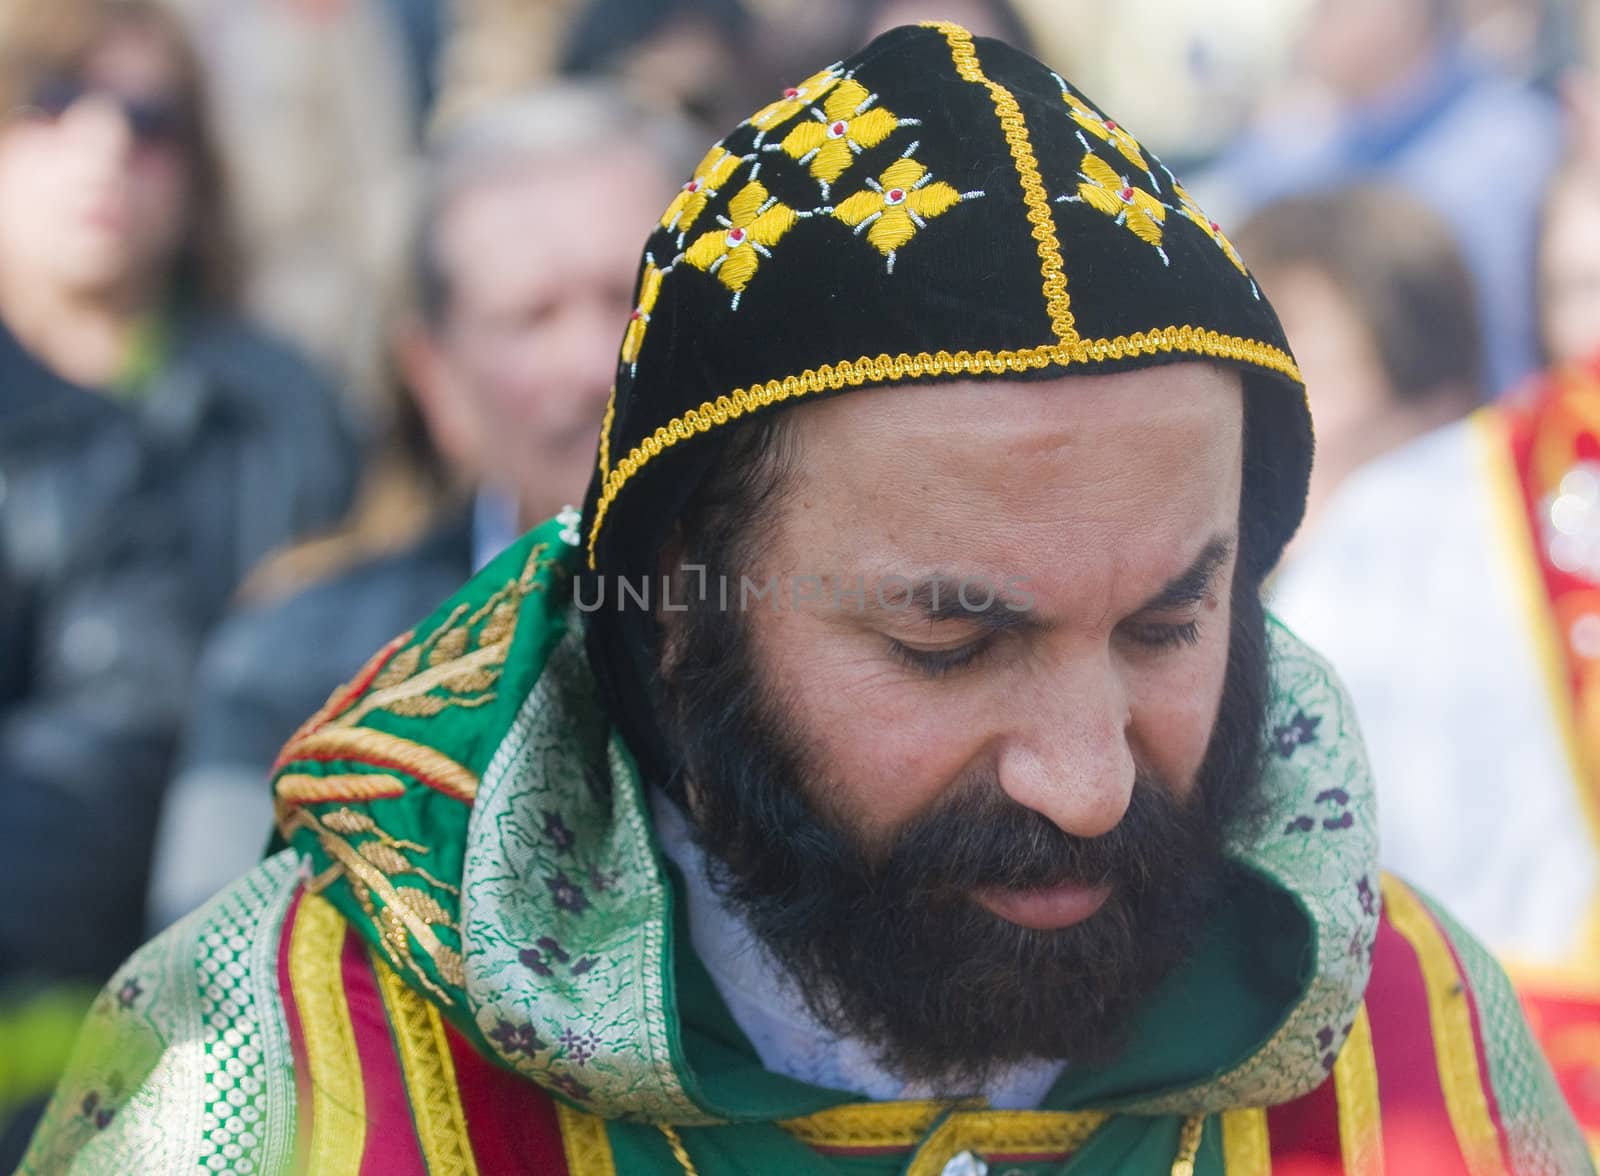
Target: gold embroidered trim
{"x":885,"y":368}
{"x":295,"y":788}
{"x":367,"y":745}
{"x":1450,"y":1018}
{"x":583,"y":1139}
{"x":338,"y":1103}
{"x":965,"y":56}
{"x":605,"y":431}
{"x":404,"y":908}
{"x":890,"y":1124}
{"x":1246,"y":1146}
{"x":1045,"y":1132}
{"x":430,"y":1076}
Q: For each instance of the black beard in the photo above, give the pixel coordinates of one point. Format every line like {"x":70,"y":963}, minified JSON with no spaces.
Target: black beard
{"x":889,"y":948}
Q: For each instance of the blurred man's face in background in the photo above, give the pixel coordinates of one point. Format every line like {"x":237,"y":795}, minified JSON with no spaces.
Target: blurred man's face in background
{"x":1569,"y":270}
{"x":1360,"y":49}
{"x":540,"y":264}
{"x":94,"y":177}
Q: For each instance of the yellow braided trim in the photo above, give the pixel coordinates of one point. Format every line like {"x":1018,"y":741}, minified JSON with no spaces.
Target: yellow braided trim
{"x":294,"y":788}
{"x":430,"y":1076}
{"x":889,"y":1124}
{"x":1188,"y":1145}
{"x":338,"y":1103}
{"x":364,"y":744}
{"x":1450,"y":1018}
{"x":679,"y":1152}
{"x":605,"y":432}
{"x":1034,"y":196}
{"x":887,"y":368}
{"x":583,"y":1139}
{"x":987,"y":1132}
{"x":1246,"y":1146}
{"x":1355,"y":1084}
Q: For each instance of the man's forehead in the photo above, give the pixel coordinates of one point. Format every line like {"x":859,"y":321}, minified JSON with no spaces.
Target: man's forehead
{"x":1029,"y":419}
{"x":1075,"y":482}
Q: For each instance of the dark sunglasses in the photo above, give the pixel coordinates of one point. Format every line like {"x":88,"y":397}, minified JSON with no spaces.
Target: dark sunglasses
{"x":151,"y":120}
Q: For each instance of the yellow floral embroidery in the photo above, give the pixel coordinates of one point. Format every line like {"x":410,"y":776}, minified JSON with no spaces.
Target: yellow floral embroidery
{"x":1209,"y":227}
{"x":649,"y":291}
{"x":755,"y":222}
{"x":1105,"y":130}
{"x":796,"y":98}
{"x":898,"y":203}
{"x":847,"y":124}
{"x":690,"y":202}
{"x":1114,"y":195}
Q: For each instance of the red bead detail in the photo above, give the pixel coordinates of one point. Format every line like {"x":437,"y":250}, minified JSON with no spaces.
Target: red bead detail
{"x":791,"y":92}
{"x":736,"y":235}
{"x":1127,"y":194}
{"x":895,"y":195}
{"x":1110,"y":126}
{"x":692,"y":186}
{"x":636,"y":315}
{"x":1215,"y":227}
{"x":838,"y":128}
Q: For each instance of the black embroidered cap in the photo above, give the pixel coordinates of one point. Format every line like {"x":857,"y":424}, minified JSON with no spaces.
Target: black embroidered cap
{"x":935,"y":207}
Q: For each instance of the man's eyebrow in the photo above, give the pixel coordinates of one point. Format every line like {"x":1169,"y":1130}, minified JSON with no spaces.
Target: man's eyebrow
{"x":1193,"y":584}
{"x":975,"y":600}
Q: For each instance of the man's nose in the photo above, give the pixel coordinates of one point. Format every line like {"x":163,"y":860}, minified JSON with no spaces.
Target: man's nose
{"x":1067,"y":755}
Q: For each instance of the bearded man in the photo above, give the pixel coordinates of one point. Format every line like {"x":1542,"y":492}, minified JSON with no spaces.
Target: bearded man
{"x":890,"y":770}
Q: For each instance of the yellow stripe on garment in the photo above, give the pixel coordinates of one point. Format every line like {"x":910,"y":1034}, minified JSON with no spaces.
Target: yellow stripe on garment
{"x":338,"y":1104}
{"x":584,"y":1140}
{"x":1450,"y":1018}
{"x":1355,"y":1084}
{"x":430,"y":1076}
{"x":1246,"y":1147}
{"x":1518,"y":558}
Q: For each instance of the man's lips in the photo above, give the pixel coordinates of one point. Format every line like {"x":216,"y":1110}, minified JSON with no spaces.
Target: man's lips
{"x":1048,"y":908}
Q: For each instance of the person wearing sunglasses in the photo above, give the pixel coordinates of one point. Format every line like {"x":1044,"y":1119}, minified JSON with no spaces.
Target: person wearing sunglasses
{"x":153,"y":446}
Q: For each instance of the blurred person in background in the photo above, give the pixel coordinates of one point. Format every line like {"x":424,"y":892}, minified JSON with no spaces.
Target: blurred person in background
{"x":1455,"y":581}
{"x":1569,"y":265}
{"x":689,"y":54}
{"x":505,"y":353}
{"x":152,"y":448}
{"x":1380,"y":307}
{"x":317,"y":109}
{"x":1390,"y":91}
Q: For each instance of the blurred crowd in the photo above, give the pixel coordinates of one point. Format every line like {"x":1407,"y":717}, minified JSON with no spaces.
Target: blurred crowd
{"x":308,"y":307}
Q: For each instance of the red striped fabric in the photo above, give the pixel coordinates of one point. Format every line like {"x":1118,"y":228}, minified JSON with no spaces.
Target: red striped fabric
{"x":1417,"y":1133}
{"x":512,"y":1122}
{"x":392,"y":1148}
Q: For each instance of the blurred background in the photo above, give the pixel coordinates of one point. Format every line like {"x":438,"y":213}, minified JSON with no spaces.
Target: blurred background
{"x":308,"y":306}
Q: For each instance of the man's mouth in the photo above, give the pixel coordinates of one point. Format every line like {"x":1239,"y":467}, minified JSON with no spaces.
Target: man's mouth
{"x":1047,"y":908}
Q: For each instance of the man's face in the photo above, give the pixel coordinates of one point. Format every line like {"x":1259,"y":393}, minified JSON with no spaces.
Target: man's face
{"x":1006,"y":804}
{"x":540,"y":265}
{"x":1097,"y":497}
